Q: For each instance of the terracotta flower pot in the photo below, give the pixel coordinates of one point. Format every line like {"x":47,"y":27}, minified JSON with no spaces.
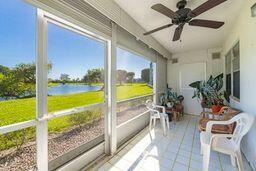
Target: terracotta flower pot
{"x":216,"y":108}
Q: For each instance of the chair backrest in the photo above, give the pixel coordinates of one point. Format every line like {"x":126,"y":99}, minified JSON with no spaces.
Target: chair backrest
{"x":243,"y":124}
{"x":151,"y":107}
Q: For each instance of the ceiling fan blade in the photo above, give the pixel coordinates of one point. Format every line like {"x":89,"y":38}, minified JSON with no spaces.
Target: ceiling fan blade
{"x":157,"y":29}
{"x":178,"y":32}
{"x":165,"y":11}
{"x":206,"y":23}
{"x":206,"y":6}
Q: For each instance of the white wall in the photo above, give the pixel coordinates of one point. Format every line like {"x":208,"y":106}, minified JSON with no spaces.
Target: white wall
{"x":212,"y":66}
{"x":245,"y":31}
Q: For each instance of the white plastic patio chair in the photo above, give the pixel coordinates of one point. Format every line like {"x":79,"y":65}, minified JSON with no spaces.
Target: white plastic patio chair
{"x":225,"y":143}
{"x":155,"y":114}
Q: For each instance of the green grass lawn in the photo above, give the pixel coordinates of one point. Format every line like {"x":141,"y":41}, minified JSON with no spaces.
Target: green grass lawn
{"x":14,"y":111}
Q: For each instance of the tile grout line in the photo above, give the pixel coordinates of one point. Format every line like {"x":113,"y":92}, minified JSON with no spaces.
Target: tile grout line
{"x":221,"y":168}
{"x":180,"y":144}
{"x":192,"y":146}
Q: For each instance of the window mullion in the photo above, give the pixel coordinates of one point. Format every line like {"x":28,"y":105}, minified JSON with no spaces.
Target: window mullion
{"x":232,"y":76}
{"x":112,"y":90}
{"x":41,"y":93}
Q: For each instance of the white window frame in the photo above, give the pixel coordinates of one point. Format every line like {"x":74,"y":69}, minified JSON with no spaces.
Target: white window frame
{"x":232,"y":69}
{"x":42,"y":116}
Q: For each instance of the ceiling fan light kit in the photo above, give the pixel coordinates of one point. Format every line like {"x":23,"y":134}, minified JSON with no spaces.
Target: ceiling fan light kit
{"x":185,"y":15}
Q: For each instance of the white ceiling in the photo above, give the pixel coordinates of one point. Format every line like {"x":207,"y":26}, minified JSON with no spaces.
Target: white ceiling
{"x":192,"y":38}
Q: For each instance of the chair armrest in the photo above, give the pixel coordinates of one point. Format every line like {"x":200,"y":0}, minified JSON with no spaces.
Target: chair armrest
{"x":155,"y":111}
{"x":161,"y":107}
{"x":210,"y":124}
{"x":216,"y":136}
{"x":222,"y":136}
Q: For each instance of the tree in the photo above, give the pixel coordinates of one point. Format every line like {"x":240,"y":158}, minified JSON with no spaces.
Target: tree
{"x":130,"y":77}
{"x":121,"y":76}
{"x":145,"y":75}
{"x":12,"y":86}
{"x":64,"y":78}
{"x":4,"y":70}
{"x":94,"y":76}
{"x":18,"y":82}
{"x":1,"y":76}
{"x":26,"y":72}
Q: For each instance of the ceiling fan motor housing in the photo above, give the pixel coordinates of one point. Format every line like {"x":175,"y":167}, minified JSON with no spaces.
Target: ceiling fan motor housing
{"x":184,"y":16}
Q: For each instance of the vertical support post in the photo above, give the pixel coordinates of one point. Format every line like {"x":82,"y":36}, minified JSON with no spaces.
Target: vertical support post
{"x":151,"y":74}
{"x":107,"y":101}
{"x":154,"y":84}
{"x":112,"y":90}
{"x":41,"y":93}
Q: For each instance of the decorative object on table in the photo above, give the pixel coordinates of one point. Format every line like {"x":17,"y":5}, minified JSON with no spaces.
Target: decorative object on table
{"x":210,"y":93}
{"x":173,"y":103}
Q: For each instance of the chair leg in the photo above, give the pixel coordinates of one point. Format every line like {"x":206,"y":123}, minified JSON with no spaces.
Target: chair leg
{"x":162,"y":120}
{"x":167,"y":122}
{"x":154,"y":122}
{"x":233,"y":160}
{"x":206,"y":158}
{"x":201,"y":147}
{"x":239,"y":160}
{"x":150,"y":123}
{"x":201,"y":150}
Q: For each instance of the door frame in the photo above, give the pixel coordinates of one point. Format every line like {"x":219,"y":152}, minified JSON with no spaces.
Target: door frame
{"x":205,"y":74}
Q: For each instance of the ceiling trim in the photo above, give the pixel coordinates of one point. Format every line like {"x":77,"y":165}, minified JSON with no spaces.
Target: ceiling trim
{"x":113,"y":11}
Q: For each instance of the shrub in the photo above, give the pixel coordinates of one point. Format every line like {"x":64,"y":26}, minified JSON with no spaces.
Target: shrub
{"x":16,"y":138}
{"x":85,"y":117}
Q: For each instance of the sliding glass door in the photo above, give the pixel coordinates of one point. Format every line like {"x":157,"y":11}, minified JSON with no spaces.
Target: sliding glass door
{"x":75,"y":98}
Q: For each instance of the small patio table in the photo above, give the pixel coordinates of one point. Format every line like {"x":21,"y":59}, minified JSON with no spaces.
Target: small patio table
{"x":205,"y":117}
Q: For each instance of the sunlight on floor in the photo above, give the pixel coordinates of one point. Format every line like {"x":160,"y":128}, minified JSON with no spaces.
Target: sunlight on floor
{"x":178,"y":151}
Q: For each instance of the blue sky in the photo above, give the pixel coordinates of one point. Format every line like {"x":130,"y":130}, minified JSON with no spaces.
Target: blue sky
{"x":69,"y":52}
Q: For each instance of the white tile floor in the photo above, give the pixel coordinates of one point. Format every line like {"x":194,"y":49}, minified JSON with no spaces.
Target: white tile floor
{"x":178,"y":151}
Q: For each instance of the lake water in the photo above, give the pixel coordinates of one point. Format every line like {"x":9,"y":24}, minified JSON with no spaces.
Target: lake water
{"x":71,"y":89}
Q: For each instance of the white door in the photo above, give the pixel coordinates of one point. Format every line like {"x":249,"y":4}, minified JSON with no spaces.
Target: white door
{"x":190,"y":73}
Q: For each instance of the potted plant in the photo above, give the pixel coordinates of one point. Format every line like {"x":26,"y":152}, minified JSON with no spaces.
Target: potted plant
{"x":169,"y":98}
{"x":209,"y":92}
{"x":172,"y":100}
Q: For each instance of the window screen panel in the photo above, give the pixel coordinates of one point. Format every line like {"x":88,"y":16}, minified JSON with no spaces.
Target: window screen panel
{"x":236,"y":84}
{"x":228,"y":63}
{"x":228,"y":84}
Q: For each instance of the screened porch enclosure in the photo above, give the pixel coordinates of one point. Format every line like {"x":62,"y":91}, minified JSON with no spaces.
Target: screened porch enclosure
{"x":63,"y":114}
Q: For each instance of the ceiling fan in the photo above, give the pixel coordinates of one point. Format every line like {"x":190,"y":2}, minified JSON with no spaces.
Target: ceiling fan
{"x":185,"y":15}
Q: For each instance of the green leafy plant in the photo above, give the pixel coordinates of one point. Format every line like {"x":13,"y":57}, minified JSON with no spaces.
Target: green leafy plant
{"x":209,"y":92}
{"x":169,"y":97}
{"x":17,"y":138}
